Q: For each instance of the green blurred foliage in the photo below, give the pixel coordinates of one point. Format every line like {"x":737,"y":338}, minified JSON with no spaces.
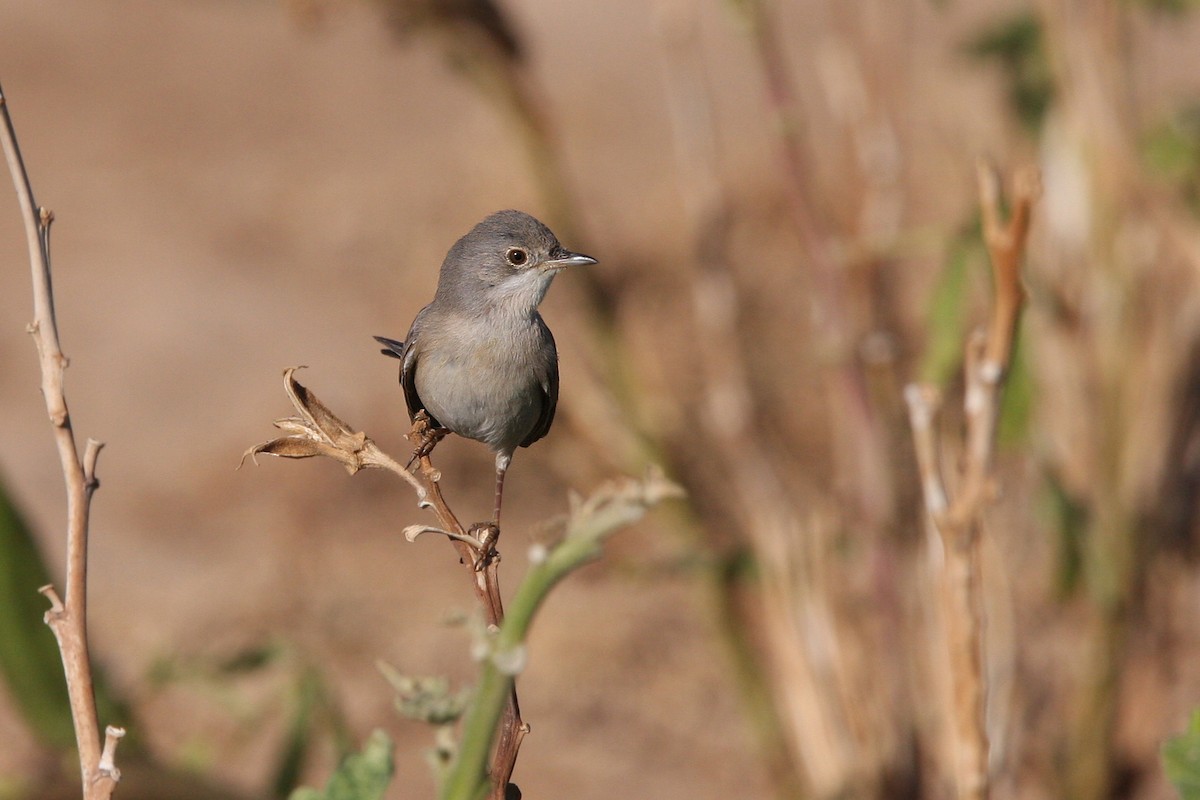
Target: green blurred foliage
{"x":427,"y":699}
{"x":362,"y":776}
{"x":1171,"y":152}
{"x":1069,"y":517}
{"x":1177,"y":7}
{"x":207,"y":672}
{"x":30,"y":664}
{"x":947,"y":317}
{"x":1016,"y":405}
{"x":312,"y":709}
{"x":29,"y":660}
{"x":1181,"y":760}
{"x":304,"y":700}
{"x":1017,"y":43}
{"x":948,"y":324}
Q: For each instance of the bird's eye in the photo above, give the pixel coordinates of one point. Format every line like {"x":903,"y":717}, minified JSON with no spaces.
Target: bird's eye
{"x":516,"y":256}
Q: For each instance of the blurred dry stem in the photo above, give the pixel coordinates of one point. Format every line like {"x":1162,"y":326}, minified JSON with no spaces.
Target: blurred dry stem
{"x":858,"y":436}
{"x":478,"y":39}
{"x":844,"y":725}
{"x":317,"y":431}
{"x":957,"y":517}
{"x":1117,"y":348}
{"x":828,"y":723}
{"x":68,"y":620}
{"x":728,"y":407}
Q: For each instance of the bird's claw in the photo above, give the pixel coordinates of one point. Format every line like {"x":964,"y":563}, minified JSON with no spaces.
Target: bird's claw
{"x":487,"y":534}
{"x":425,"y":435}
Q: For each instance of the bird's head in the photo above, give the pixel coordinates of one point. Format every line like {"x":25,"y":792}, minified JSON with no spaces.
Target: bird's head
{"x":506,"y":261}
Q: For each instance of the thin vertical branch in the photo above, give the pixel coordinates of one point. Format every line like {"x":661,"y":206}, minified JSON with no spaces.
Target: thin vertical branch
{"x":958,"y":520}
{"x":67,"y":619}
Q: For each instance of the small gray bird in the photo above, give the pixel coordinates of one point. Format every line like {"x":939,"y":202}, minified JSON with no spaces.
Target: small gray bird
{"x":479,"y":359}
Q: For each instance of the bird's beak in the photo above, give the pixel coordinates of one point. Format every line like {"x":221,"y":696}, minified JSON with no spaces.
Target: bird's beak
{"x":565,"y":259}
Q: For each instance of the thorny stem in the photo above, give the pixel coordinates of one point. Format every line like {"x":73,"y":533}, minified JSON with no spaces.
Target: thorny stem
{"x":68,"y":620}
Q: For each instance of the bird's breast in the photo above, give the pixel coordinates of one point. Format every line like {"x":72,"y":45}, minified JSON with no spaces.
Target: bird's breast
{"x":484,"y":385}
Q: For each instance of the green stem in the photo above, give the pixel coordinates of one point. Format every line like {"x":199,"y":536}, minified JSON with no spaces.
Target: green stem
{"x":468,"y":776}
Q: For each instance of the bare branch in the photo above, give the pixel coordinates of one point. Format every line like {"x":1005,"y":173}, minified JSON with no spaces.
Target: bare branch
{"x":107,"y":768}
{"x":67,"y":619}
{"x":413,"y":532}
{"x":924,"y":403}
{"x":1006,"y":247}
{"x":958,"y":520}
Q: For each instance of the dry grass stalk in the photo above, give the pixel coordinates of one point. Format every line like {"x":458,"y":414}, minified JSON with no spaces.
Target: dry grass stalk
{"x":1115,"y":350}
{"x":68,"y":619}
{"x":957,"y":520}
{"x":822,"y":735}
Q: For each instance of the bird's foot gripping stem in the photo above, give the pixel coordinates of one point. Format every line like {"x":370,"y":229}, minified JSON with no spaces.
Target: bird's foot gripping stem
{"x":425,"y":435}
{"x":487,"y":534}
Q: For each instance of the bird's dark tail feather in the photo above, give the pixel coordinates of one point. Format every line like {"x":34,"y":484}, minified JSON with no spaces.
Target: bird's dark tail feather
{"x":391,"y":347}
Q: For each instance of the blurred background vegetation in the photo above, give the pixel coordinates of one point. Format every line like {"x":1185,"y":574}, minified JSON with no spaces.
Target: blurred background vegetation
{"x":781,"y":196}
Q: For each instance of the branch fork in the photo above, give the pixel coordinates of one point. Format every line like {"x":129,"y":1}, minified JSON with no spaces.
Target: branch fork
{"x":66,"y":618}
{"x":957,"y":517}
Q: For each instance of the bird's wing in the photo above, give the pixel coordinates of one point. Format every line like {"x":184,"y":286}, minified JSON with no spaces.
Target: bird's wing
{"x":407,"y":351}
{"x":549,"y":383}
{"x":408,"y":368}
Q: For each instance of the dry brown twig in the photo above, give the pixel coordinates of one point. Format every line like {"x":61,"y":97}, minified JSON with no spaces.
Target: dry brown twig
{"x":68,"y":619}
{"x":317,"y":431}
{"x":957,"y":519}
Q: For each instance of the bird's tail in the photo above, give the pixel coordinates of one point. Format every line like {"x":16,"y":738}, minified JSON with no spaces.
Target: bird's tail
{"x":391,"y":347}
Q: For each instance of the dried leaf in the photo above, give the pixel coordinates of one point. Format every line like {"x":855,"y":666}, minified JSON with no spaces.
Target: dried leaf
{"x":303,"y":447}
{"x":318,"y":416}
{"x":316,"y":432}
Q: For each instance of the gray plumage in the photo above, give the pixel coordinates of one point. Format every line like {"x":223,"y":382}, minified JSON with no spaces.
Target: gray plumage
{"x":479,"y":359}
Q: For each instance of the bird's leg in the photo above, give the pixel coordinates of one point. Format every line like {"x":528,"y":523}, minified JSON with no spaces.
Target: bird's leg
{"x":425,"y":435}
{"x":502,"y":462}
{"x":489,"y":533}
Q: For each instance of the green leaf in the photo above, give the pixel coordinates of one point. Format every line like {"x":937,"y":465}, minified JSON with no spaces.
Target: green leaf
{"x":1016,"y":405}
{"x":307,"y":701}
{"x":1181,"y":760}
{"x":1068,"y":518}
{"x":949,"y":306}
{"x":362,"y":776}
{"x":29,"y":659}
{"x":1171,"y":152}
{"x":30,"y":664}
{"x":964,"y":277}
